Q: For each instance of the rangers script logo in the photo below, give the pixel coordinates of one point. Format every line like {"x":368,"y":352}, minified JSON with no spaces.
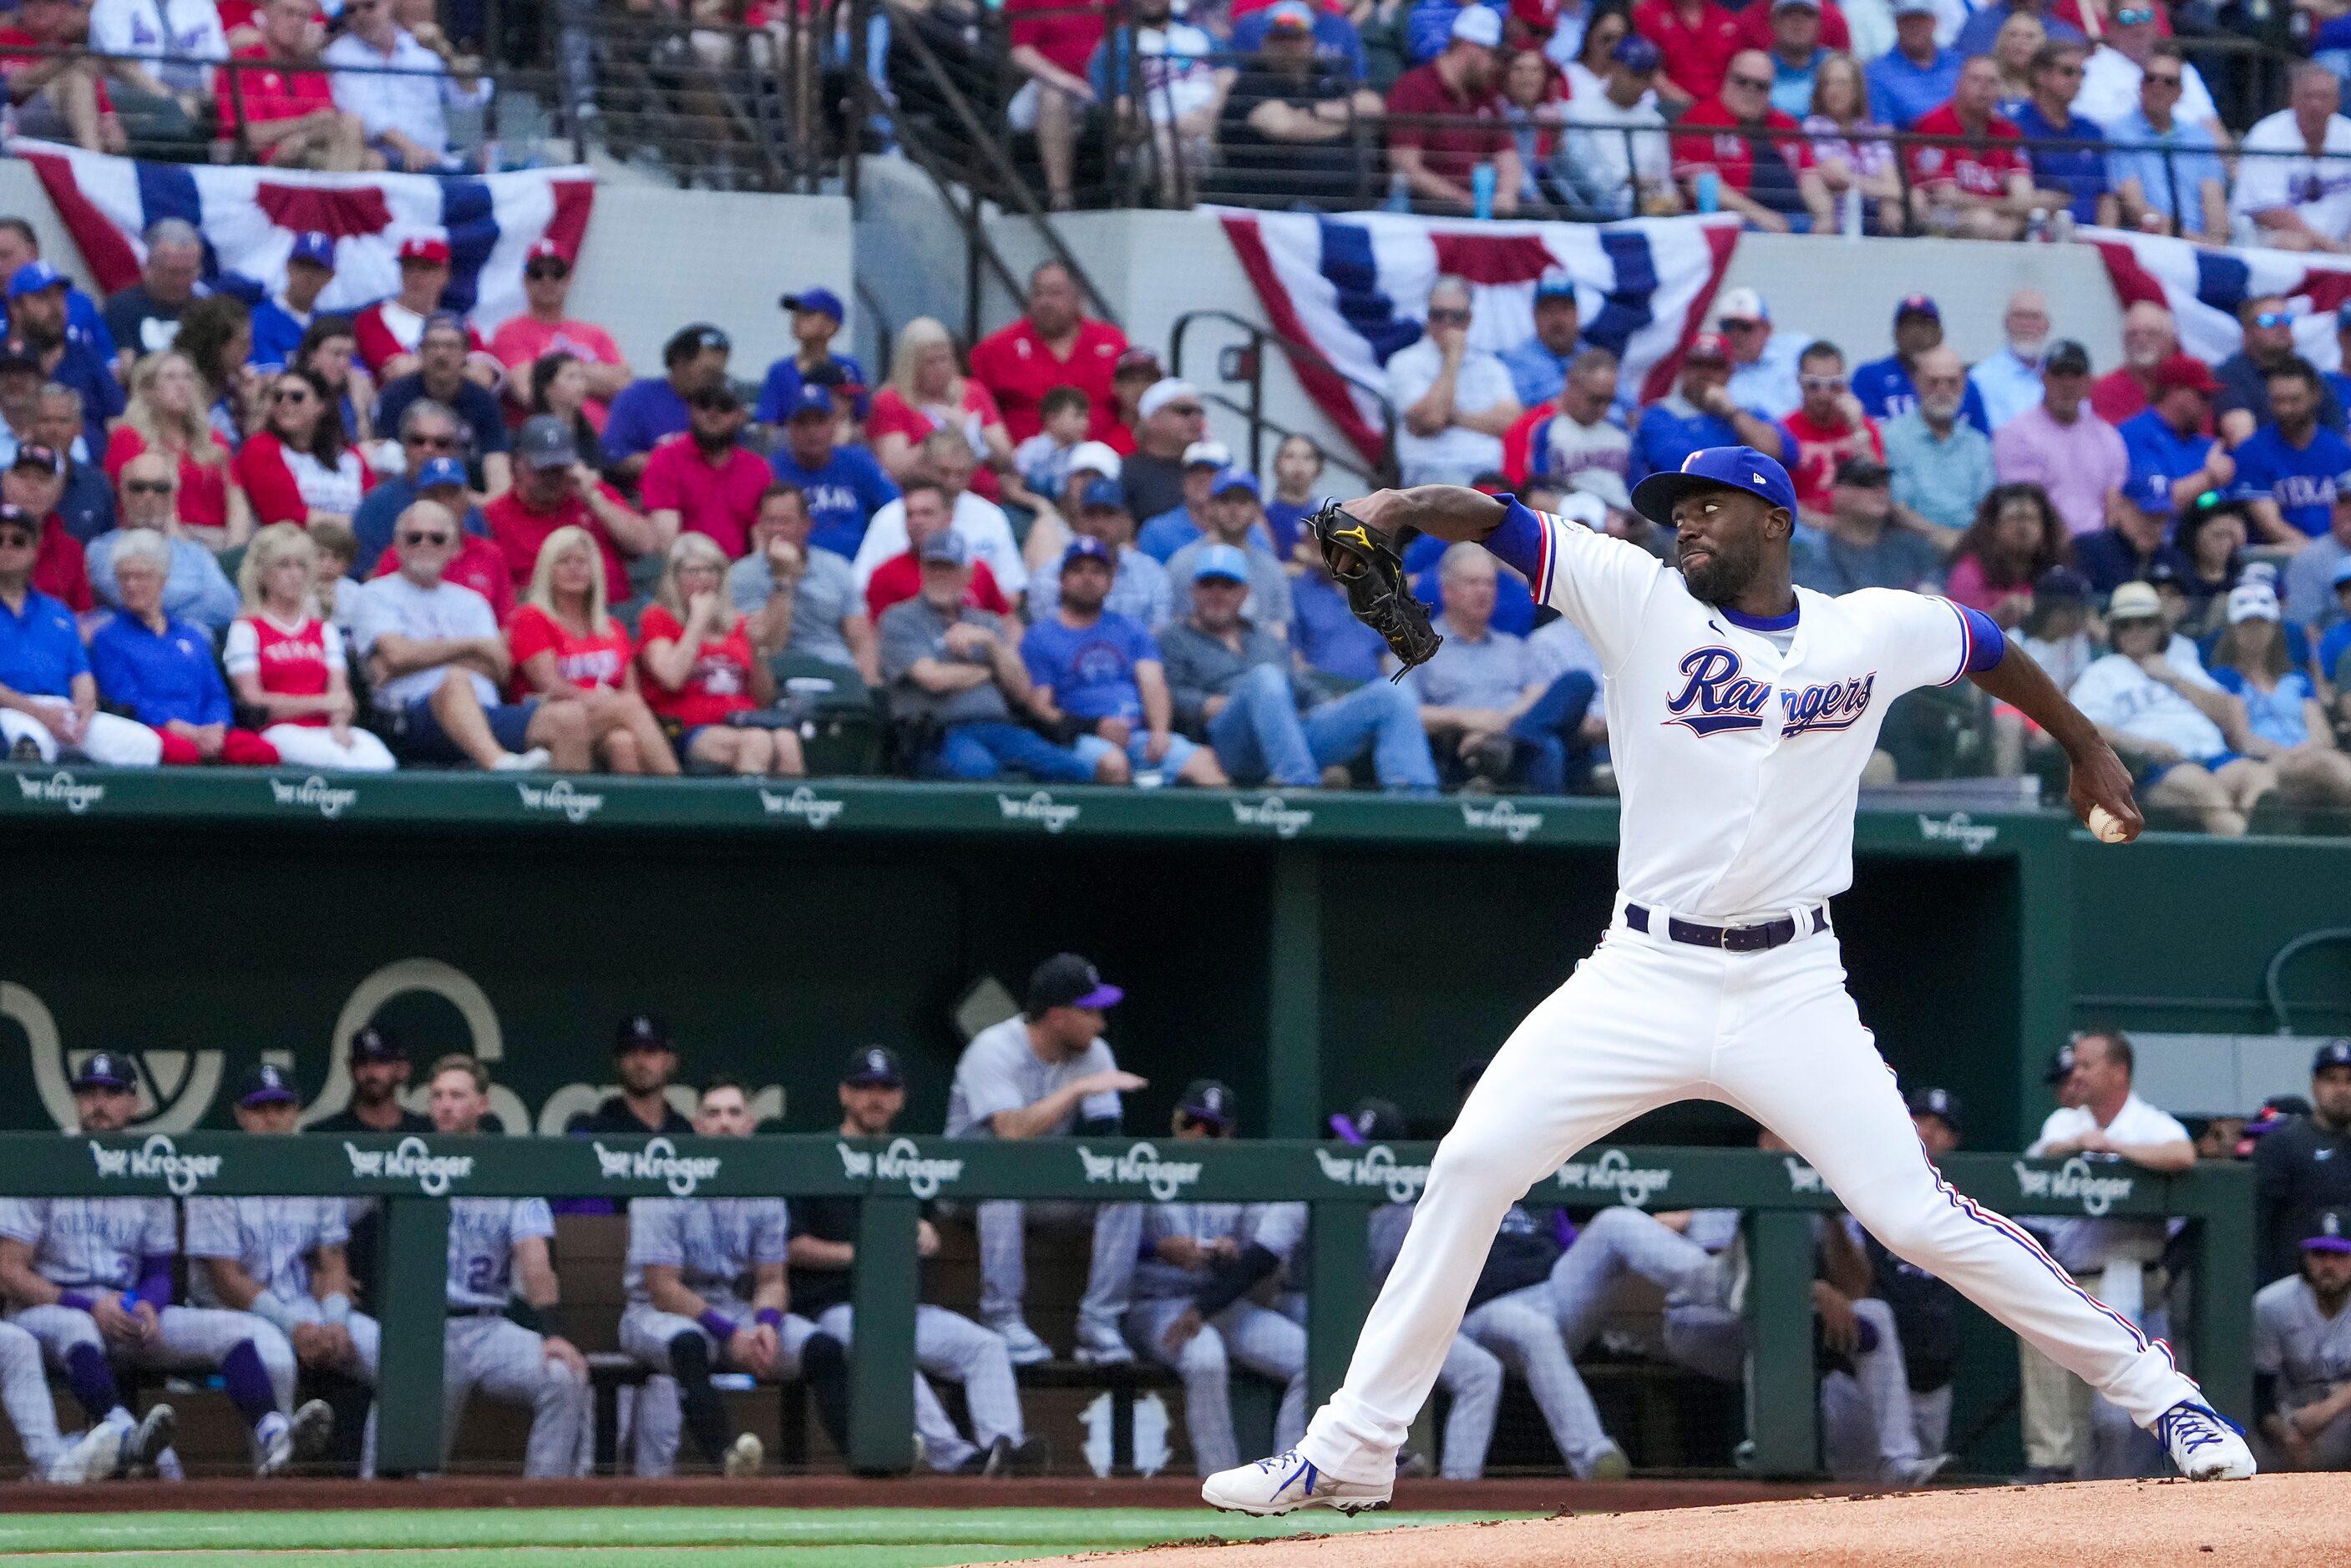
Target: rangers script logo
{"x":1719,"y":697}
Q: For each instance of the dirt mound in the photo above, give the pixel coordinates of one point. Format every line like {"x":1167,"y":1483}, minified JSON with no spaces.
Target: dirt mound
{"x":2105,"y":1524}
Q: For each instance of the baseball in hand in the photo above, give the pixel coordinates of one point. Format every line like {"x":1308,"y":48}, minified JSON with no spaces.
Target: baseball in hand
{"x":2102,"y":823}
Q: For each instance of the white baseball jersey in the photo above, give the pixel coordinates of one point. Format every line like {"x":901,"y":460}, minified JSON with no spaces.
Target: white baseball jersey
{"x":1276,"y":1227}
{"x":271,"y":1239}
{"x":2084,"y":1245}
{"x":998,"y":1072}
{"x":482,"y":1236}
{"x":714,"y":1243}
{"x":1738,"y":763}
{"x":85,"y":1241}
{"x":2307,"y":1351}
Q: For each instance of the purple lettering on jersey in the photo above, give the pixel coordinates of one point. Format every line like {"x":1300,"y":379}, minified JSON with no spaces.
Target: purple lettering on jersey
{"x":1716,"y":696}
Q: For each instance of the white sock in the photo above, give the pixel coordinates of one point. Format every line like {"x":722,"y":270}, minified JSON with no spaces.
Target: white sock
{"x":269,"y":1427}
{"x":120,"y":1417}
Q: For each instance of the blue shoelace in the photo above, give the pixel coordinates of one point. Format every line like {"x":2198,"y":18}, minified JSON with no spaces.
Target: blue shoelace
{"x":2192,"y":1427}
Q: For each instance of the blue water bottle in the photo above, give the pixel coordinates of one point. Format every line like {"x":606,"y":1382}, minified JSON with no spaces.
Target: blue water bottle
{"x":1709,"y":191}
{"x":1481,"y":190}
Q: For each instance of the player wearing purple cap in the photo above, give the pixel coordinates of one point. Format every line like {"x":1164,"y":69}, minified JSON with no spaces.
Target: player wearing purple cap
{"x":2302,"y":1350}
{"x":1741,"y":711}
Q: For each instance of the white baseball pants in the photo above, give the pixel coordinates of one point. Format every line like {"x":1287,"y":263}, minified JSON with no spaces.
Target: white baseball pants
{"x":314,"y":746}
{"x":111,"y":740}
{"x":186,"y":1338}
{"x":24,"y":1393}
{"x":1243,"y":1333}
{"x":1646,"y":1022}
{"x":950,"y":1345}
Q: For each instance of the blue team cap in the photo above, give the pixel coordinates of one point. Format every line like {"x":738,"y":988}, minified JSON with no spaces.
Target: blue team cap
{"x":1234,"y":479}
{"x":813,"y":397}
{"x":2149,"y":489}
{"x":1636,"y":53}
{"x":439,"y":471}
{"x":822,"y":301}
{"x":1558,"y":283}
{"x":2334,"y":1053}
{"x":1086,"y":547}
{"x":314,"y":247}
{"x":1104,"y":494}
{"x":33,"y":277}
{"x":1939,"y":1103}
{"x":106,"y":1070}
{"x":1918,"y":305}
{"x":1222,"y":561}
{"x":1714,"y":468}
{"x":267,"y":1085}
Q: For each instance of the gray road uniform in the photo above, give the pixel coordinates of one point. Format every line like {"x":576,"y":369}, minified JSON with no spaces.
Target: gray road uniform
{"x":483,"y":1348}
{"x":2308,"y":1355}
{"x":1236,"y":1329}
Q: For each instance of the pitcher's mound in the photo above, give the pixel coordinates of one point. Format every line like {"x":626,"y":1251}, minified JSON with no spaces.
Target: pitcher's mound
{"x":2104,"y":1524}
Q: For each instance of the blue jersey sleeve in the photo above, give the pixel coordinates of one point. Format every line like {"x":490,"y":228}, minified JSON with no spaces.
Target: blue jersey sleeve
{"x":1987,"y":644}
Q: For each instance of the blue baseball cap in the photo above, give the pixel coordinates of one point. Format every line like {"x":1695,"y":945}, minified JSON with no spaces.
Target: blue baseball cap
{"x":106,"y":1070}
{"x":824,"y":301}
{"x":439,"y":471}
{"x":1918,"y":305}
{"x":1234,"y":479}
{"x":813,"y":397}
{"x":1222,"y":561}
{"x":1636,"y":53}
{"x":314,"y":247}
{"x":1939,"y":1103}
{"x":2334,"y":1053}
{"x":1557,"y":284}
{"x":1106,"y":494}
{"x":1086,"y":547}
{"x":1714,"y":468}
{"x":2149,"y":490}
{"x":33,"y":277}
{"x":875,"y":1067}
{"x":267,"y":1085}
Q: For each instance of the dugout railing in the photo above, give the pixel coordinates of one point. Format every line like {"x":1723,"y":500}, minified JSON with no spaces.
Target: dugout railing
{"x":891,"y":1179}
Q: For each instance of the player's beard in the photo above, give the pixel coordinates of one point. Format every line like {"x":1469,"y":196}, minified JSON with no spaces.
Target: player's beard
{"x":1725,"y":573}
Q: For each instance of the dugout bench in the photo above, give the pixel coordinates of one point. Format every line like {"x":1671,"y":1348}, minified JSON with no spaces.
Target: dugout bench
{"x":890,"y":1178}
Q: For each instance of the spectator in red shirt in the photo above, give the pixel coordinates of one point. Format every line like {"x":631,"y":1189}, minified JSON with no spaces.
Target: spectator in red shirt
{"x":57,"y":96}
{"x":1982,"y":191}
{"x":928,"y":511}
{"x":568,"y":648}
{"x":1826,"y":428}
{"x":928,"y":391}
{"x":479,"y":564}
{"x":1767,"y":179}
{"x":33,"y":483}
{"x":1697,"y":38}
{"x":286,"y":103}
{"x":1051,"y":42}
{"x":706,"y":481}
{"x":1134,"y":373}
{"x":1437,"y":160}
{"x":298,"y":468}
{"x":543,"y":328}
{"x":553,"y":489}
{"x":166,"y":417}
{"x":390,"y":331}
{"x":1055,"y":344}
{"x":704,"y":664}
{"x":1755,"y":28}
{"x":2148,"y":340}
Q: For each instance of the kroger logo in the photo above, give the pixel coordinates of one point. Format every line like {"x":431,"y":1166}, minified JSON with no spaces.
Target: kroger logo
{"x":1141,"y":1165}
{"x":156,"y":1159}
{"x":1375,"y":1166}
{"x":576,"y":804}
{"x":316,"y":793}
{"x":1957,"y":828}
{"x":1041,"y":808}
{"x":902,"y":1162}
{"x":2072,"y":1182}
{"x":1501,"y":818}
{"x":1613,"y":1171}
{"x":657,"y":1161}
{"x":1801,"y":1178}
{"x":59,"y":789}
{"x":410,"y":1160}
{"x":1270,"y":812}
{"x":804,"y":804}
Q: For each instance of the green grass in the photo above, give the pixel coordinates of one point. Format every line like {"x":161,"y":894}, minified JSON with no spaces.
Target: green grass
{"x":639,"y":1537}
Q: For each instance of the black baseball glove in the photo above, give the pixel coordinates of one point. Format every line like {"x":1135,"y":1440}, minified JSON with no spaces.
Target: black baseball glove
{"x":1366,"y":565}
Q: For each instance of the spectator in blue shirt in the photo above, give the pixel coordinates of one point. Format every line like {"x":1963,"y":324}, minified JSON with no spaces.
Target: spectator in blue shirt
{"x":2135,"y":543}
{"x":1538,"y":367}
{"x":2163,"y":164}
{"x":2285,"y":723}
{"x":1324,"y":632}
{"x":2078,"y":167}
{"x":1698,"y":413}
{"x":19,"y":245}
{"x":2289,"y":471}
{"x":653,"y":407}
{"x":2335,"y":646}
{"x":279,"y":321}
{"x":1297,"y":466}
{"x":1162,"y":536}
{"x":1096,"y":677}
{"x":1335,"y":39}
{"x":87,"y":507}
{"x":817,"y":315}
{"x":49,"y":698}
{"x":195,"y":589}
{"x":1885,"y":387}
{"x":844,"y":484}
{"x":1981,"y":30}
{"x":161,"y":670}
{"x":430,"y":433}
{"x":1914,"y":75}
{"x":1796,"y":54}
{"x":2166,"y":436}
{"x":37,"y":318}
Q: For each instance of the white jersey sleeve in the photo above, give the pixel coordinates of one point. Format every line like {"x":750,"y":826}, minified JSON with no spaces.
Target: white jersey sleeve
{"x":241,"y":654}
{"x":771,"y":1231}
{"x":212,"y":1230}
{"x":1922,"y":641}
{"x":24,"y":1219}
{"x":529,"y":1218}
{"x":1105,"y":1106}
{"x":1278,"y":1228}
{"x":653,"y":1233}
{"x":1600,"y":584}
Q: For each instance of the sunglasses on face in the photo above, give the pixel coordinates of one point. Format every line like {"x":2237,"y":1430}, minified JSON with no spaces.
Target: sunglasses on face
{"x":14,"y":539}
{"x":290,"y":395}
{"x":148,"y":486}
{"x":1459,"y":316}
{"x":547,"y":273}
{"x":2136,"y":16}
{"x":1753,"y":84}
{"x":424,"y":537}
{"x":2274,"y":318}
{"x":433,"y":443}
{"x":2154,"y":81}
{"x":715,"y":405}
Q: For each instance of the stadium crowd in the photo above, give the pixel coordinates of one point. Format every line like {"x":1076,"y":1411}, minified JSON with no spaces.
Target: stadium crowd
{"x":273,"y":1293}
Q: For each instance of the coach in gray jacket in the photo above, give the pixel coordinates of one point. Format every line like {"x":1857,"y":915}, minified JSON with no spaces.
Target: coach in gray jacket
{"x":1235,"y":684}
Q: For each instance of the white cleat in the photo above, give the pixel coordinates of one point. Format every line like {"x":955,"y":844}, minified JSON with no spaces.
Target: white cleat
{"x":2205,"y":1444}
{"x":743,"y":1455}
{"x":1021,"y":1342}
{"x":152,"y":1438}
{"x":1286,"y":1483}
{"x":1910,"y":1475}
{"x":94,"y":1458}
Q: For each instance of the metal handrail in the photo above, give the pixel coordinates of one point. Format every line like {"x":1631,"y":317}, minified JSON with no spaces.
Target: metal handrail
{"x":2273,"y":976}
{"x":1382,"y":473}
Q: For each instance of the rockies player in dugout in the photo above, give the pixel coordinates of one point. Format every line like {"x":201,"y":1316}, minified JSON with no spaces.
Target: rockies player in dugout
{"x":282,"y":1260}
{"x":495,"y":1245}
{"x":91,"y":1278}
{"x":2302,"y":1351}
{"x":947,"y":1344}
{"x":1741,"y":710}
